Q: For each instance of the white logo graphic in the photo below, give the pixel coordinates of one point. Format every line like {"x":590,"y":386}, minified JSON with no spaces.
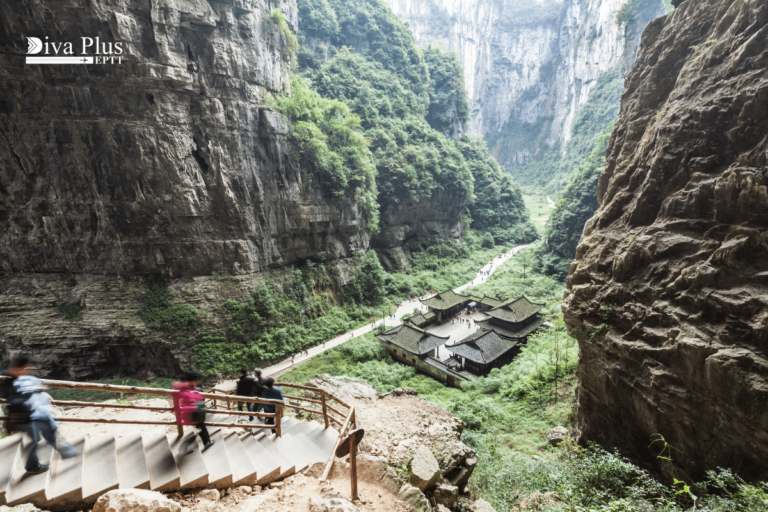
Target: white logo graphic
{"x":93,"y":51}
{"x":35,"y":45}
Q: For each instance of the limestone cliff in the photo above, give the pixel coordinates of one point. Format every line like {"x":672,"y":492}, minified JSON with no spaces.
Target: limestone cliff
{"x":529,"y":65}
{"x":669,"y":291}
{"x":165,"y":163}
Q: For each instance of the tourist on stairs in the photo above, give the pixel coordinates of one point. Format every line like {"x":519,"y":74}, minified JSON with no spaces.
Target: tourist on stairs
{"x":29,"y":411}
{"x":271,"y":392}
{"x":246,"y":386}
{"x":189,"y":406}
{"x":258,"y":386}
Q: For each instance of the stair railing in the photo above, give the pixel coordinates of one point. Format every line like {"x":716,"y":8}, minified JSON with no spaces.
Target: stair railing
{"x":112,"y":388}
{"x":324,"y":402}
{"x":321,"y":399}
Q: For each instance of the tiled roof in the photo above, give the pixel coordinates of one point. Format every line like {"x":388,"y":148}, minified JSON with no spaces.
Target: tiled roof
{"x":490,"y":301}
{"x":449,"y":298}
{"x":512,"y":333}
{"x":422,"y":318}
{"x":412,"y":339}
{"x":445,"y":300}
{"x":515,"y":310}
{"x":482,"y":347}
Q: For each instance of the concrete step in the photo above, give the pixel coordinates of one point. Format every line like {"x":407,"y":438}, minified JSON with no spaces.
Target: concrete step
{"x":309,"y":452}
{"x":291,"y":452}
{"x":289,"y":424}
{"x":66,"y":485}
{"x":191,"y":466}
{"x":10,"y":451}
{"x":324,"y":438}
{"x":267,"y":468}
{"x":307,"y":427}
{"x":243,"y":470}
{"x":131,"y":464}
{"x":163,"y":474}
{"x":217,"y":462}
{"x":100,"y":472}
{"x":287,"y":465}
{"x":26,"y":487}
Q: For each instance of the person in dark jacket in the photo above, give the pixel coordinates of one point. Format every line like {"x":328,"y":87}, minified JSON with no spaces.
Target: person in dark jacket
{"x":271,"y":392}
{"x":246,"y":386}
{"x":30,"y":412}
{"x":258,"y":384}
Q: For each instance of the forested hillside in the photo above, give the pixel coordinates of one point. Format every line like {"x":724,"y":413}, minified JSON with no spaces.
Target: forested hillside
{"x":577,"y":169}
{"x":365,"y":75}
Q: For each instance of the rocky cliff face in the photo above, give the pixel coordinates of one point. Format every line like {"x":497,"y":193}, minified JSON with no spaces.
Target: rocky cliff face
{"x":669,"y":291}
{"x":166,"y":163}
{"x":529,"y":65}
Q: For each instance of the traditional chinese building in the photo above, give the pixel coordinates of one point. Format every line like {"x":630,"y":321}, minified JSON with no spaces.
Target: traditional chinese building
{"x":416,"y":347}
{"x":498,"y":339}
{"x":447,"y":304}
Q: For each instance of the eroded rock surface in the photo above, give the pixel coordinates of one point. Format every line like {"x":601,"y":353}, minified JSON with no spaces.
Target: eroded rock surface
{"x":166,"y":163}
{"x":669,"y":291}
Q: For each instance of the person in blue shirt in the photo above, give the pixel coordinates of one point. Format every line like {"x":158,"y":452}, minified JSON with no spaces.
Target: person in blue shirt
{"x":271,"y":392}
{"x":33,"y":411}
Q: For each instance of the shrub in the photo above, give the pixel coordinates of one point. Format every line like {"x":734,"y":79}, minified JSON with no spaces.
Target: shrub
{"x":290,"y":42}
{"x":157,"y":309}
{"x":70,"y":310}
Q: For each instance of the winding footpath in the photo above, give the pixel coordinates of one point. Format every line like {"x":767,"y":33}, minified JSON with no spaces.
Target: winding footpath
{"x":404,"y":308}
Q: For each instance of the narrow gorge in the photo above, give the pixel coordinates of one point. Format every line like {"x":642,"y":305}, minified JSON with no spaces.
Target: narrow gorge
{"x":526,"y":240}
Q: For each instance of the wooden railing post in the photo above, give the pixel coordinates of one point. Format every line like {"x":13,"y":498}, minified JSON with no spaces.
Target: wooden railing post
{"x":278,"y":419}
{"x":325,"y":409}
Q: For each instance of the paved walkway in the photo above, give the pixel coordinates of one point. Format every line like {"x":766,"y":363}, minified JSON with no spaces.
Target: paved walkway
{"x":407,"y":307}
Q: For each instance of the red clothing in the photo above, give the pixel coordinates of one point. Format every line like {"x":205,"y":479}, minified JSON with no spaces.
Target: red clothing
{"x":185,"y":401}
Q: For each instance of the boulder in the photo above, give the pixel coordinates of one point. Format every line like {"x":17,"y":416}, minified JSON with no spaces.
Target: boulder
{"x":453,"y":455}
{"x":460,"y":477}
{"x":210,"y":495}
{"x":557,"y":435}
{"x":415,"y":498}
{"x":424,"y":469}
{"x":26,"y":507}
{"x":135,"y":500}
{"x":344,"y":387}
{"x":483,"y":506}
{"x":446,"y":495}
{"x":377,"y":470}
{"x":317,"y":504}
{"x":441,"y":508}
{"x":404,"y":391}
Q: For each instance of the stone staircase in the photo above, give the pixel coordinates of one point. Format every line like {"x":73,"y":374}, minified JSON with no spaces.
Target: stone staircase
{"x":160,"y":463}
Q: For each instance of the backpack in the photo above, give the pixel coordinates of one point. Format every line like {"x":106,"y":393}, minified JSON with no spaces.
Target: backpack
{"x":16,"y":405}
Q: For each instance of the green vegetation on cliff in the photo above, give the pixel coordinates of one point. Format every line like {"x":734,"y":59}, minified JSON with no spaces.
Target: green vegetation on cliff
{"x":448,"y":105}
{"x":552,"y":168}
{"x":575,"y":207}
{"x":329,"y":144}
{"x":407,"y":100}
{"x":578,"y":170}
{"x":497,"y":207}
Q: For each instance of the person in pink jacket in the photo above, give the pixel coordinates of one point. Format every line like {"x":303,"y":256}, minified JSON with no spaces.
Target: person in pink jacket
{"x":189,"y":406}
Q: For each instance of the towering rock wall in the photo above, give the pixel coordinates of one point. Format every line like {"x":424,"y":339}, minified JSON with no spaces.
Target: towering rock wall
{"x":668,"y":294}
{"x":165,"y":163}
{"x":529,"y":65}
